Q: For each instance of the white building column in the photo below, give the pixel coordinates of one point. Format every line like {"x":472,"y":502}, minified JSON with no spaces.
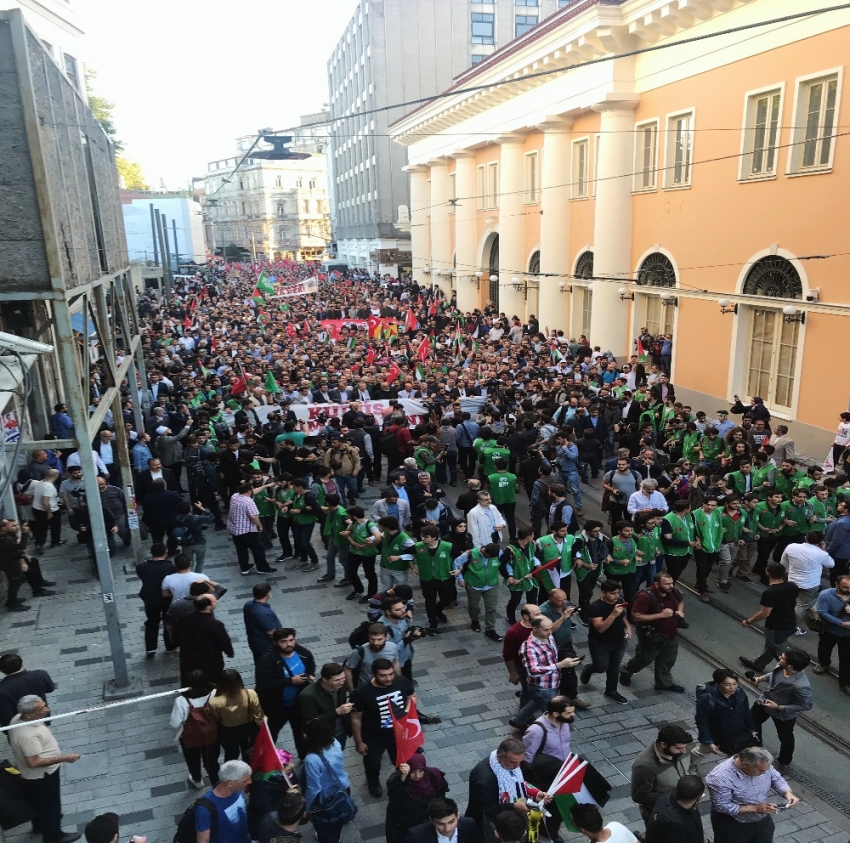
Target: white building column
{"x":441,"y":242}
{"x":466,"y":230}
{"x":612,"y":237}
{"x":554,"y":306}
{"x":512,"y":257}
{"x":420,"y":236}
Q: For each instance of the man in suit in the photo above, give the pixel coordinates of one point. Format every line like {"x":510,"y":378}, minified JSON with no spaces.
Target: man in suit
{"x":156,"y":419}
{"x":160,"y":508}
{"x":783,"y":444}
{"x":158,"y":387}
{"x":444,"y":821}
{"x":324,"y":394}
{"x":104,"y":447}
{"x":154,"y":471}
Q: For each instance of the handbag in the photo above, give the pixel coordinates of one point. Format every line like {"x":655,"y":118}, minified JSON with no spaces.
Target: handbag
{"x":543,"y":769}
{"x":338,"y":808}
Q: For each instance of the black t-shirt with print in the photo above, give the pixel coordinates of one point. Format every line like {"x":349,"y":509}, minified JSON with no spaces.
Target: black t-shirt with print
{"x":374,"y":704}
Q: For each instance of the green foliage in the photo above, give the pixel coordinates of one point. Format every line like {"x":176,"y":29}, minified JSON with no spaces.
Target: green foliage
{"x":132,"y":174}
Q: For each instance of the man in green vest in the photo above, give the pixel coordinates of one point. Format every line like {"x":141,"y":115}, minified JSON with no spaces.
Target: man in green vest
{"x":518,"y":561}
{"x":396,"y":553}
{"x":555,"y":552}
{"x":708,"y":529}
{"x":677,"y":539}
{"x":763,"y":474}
{"x":820,"y":506}
{"x":797,"y":515}
{"x":741,"y":481}
{"x":283,"y":498}
{"x":433,"y":564}
{"x":770,"y":520}
{"x":336,"y":521}
{"x":742,"y":561}
{"x":503,"y":494}
{"x":624,"y":557}
{"x":733,"y":539}
{"x":479,"y":575}
{"x":304,"y":510}
{"x":787,"y":478}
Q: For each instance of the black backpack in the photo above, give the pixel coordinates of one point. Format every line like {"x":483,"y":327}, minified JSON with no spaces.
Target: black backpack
{"x":222,"y":430}
{"x":360,"y":635}
{"x":388,"y":439}
{"x":186,"y":825}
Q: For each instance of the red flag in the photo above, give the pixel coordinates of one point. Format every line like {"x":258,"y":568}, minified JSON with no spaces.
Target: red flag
{"x":432,"y":310}
{"x":187,"y":323}
{"x":424,"y":349}
{"x":374,"y":326}
{"x":408,"y":734}
{"x":393,"y":373}
{"x":306,"y":326}
{"x":410,"y":321}
{"x":290,"y":330}
{"x":240,"y":385}
{"x":264,"y":758}
{"x":193,"y":303}
{"x":213,"y":345}
{"x":370,"y":357}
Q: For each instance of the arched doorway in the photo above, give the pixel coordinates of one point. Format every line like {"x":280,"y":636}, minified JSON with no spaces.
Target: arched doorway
{"x":656,"y":270}
{"x":493,"y":264}
{"x":583,"y":296}
{"x":534,"y":263}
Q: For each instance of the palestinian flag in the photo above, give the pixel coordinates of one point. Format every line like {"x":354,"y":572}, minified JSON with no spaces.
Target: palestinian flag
{"x":549,"y":574}
{"x":352,"y":342}
{"x":389,"y":330}
{"x":556,"y":355}
{"x":263,"y":317}
{"x":419,"y":372}
{"x":271,"y":384}
{"x":264,"y":285}
{"x":641,"y":351}
{"x":578,"y":782}
{"x":264,"y":758}
{"x":284,"y":307}
{"x":257,"y":296}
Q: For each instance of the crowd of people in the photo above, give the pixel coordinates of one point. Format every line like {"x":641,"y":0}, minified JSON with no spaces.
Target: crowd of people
{"x":266,"y":414}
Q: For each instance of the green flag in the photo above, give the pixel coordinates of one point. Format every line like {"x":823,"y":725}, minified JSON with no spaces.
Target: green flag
{"x":264,"y":285}
{"x":271,"y":384}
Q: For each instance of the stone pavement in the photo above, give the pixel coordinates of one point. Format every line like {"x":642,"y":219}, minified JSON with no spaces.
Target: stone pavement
{"x":132,"y":766}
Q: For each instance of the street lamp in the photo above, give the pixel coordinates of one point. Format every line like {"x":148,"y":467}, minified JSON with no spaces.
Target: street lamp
{"x":793,"y":315}
{"x":564,"y":287}
{"x":669,"y":300}
{"x":625,"y":295}
{"x":726,"y":306}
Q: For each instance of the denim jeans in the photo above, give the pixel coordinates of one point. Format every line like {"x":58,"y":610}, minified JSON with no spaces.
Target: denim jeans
{"x":570,"y":479}
{"x":334,"y":553}
{"x":538,"y":700}
{"x":774,"y":647}
{"x":390,"y":579}
{"x":347,"y":486}
{"x":303,"y":533}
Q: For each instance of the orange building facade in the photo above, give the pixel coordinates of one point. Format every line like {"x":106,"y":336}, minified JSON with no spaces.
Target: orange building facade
{"x":697,"y":188}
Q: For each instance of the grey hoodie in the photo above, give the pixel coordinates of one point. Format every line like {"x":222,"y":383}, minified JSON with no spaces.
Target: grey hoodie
{"x":793,"y":693}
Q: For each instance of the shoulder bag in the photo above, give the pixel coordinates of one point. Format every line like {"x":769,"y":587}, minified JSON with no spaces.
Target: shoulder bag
{"x":335,"y":808}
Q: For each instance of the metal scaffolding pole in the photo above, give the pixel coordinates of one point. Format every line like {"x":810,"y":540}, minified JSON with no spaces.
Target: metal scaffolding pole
{"x":155,"y":237}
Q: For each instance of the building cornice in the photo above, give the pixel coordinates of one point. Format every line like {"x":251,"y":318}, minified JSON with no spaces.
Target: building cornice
{"x":47,"y":13}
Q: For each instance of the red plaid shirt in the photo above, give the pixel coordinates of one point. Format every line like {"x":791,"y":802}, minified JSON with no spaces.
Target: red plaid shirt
{"x":238,"y":519}
{"x":540,"y":659}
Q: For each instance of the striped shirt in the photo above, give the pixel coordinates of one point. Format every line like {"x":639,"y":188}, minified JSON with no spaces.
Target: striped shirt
{"x":238,"y":519}
{"x":730,"y":788}
{"x":540,"y":659}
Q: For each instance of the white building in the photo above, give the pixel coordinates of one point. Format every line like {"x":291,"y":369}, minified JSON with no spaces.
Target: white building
{"x":183,"y":218}
{"x":273,"y":209}
{"x":59,"y":29}
{"x":386,"y":57}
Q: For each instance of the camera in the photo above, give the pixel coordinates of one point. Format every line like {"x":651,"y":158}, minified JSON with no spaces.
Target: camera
{"x":683,"y":624}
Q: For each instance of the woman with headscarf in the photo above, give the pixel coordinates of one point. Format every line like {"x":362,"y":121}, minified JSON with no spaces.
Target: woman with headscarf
{"x":410,"y":790}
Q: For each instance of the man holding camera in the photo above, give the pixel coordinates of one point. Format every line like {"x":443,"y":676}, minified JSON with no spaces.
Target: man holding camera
{"x":659,"y":613}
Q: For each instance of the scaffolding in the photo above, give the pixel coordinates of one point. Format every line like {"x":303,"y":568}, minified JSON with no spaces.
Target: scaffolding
{"x":65,"y":281}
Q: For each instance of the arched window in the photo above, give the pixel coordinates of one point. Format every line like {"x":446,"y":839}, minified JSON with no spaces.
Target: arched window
{"x":775,"y":277}
{"x":494,"y":270}
{"x":656,"y":270}
{"x":534,"y":263}
{"x":584,"y":269}
{"x":773,"y":342}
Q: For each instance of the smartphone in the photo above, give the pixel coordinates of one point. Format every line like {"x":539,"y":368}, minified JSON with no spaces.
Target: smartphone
{"x":581,"y":658}
{"x":624,"y":603}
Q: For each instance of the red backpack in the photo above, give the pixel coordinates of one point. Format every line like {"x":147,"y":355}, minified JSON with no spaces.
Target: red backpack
{"x":200,"y":729}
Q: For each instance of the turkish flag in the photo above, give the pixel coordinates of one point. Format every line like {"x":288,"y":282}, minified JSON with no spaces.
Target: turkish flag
{"x":411,"y":322}
{"x":393,"y":373}
{"x":408,"y":734}
{"x":432,"y":310}
{"x":424,"y":349}
{"x":187,"y":324}
{"x":370,"y":356}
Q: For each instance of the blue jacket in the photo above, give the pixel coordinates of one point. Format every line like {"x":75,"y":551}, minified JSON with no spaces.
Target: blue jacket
{"x":567,"y":458}
{"x":831,"y":610}
{"x":717,"y":716}
{"x":62,"y":425}
{"x":321,"y":778}
{"x":837,"y":538}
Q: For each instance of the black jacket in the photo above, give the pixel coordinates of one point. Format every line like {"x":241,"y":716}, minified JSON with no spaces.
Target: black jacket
{"x":18,"y":685}
{"x":484,"y":795}
{"x":669,"y":821}
{"x":467,"y":832}
{"x":203,"y":642}
{"x":271,"y":677}
{"x":152,"y":572}
{"x":144,"y":480}
{"x":161,"y":508}
{"x":403,"y":812}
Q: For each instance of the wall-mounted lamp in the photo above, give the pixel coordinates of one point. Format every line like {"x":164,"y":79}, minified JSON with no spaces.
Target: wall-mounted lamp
{"x":726,"y":306}
{"x":494,"y":278}
{"x":793,"y":315}
{"x":475,"y":278}
{"x":426,"y":270}
{"x":518,"y":285}
{"x":669,"y":300}
{"x":625,"y":295}
{"x":564,"y":287}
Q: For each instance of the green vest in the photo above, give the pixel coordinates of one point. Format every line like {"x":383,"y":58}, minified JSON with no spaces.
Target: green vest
{"x":300,"y":502}
{"x":682,"y":531}
{"x":711,"y":450}
{"x":760,"y":475}
{"x":821,"y":510}
{"x":360,"y":533}
{"x":689,"y":446}
{"x":502,"y":487}
{"x":489,"y":457}
{"x":625,"y":555}
{"x":436,"y":567}
{"x":768,"y":519}
{"x":648,"y":543}
{"x":319,"y":491}
{"x":334,"y":525}
{"x":394,"y":547}
{"x":522,"y":563}
{"x":481,"y":572}
{"x":739,"y":482}
{"x":550,"y":551}
{"x":265,"y":506}
{"x":709,"y":529}
{"x":733,"y":528}
{"x":424,"y":457}
{"x":800,"y":515}
{"x":750,"y":530}
{"x":786,"y":484}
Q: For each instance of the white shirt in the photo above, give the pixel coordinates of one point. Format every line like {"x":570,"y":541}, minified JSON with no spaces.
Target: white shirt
{"x":805,"y":564}
{"x":178,"y":584}
{"x":74,"y":459}
{"x":620,"y":834}
{"x":639,"y":501}
{"x":843,"y":435}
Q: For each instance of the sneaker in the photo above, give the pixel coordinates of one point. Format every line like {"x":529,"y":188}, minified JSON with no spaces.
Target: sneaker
{"x":326,"y":578}
{"x":150,"y":654}
{"x":59,"y":543}
{"x":18,"y":608}
{"x":579,"y":704}
{"x":354,"y":595}
{"x":251,"y":570}
{"x":820,"y":669}
{"x":746,"y":662}
{"x":750,"y":674}
{"x":675,"y":688}
{"x":312,"y":566}
{"x":364,"y":600}
{"x":375,"y":789}
{"x":800,"y":631}
{"x":625,"y":678}
{"x":617,"y":697}
{"x":431,"y":720}
{"x":475,"y":626}
{"x":492,"y":635}
{"x":270,"y":570}
{"x":442,"y":618}
{"x":742,"y":578}
{"x":586,"y":673}
{"x":725,"y":587}
{"x":704,"y":598}
{"x":196,"y":784}
{"x":342,"y":583}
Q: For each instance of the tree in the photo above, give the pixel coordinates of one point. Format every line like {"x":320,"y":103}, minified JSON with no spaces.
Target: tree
{"x":102,"y":108}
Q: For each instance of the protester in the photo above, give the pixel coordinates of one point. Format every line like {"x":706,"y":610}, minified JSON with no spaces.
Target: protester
{"x":676,"y":814}
{"x":324,"y":777}
{"x":658,"y":768}
{"x":197,"y":730}
{"x":444,"y":823}
{"x":410,"y":791}
{"x":724,"y":721}
{"x":228,"y":800}
{"x":17,"y":683}
{"x":833,"y":608}
{"x":778,"y":603}
{"x":607,"y":637}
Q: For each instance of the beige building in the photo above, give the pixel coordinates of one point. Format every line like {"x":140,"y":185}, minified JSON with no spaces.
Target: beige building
{"x":272,"y":209}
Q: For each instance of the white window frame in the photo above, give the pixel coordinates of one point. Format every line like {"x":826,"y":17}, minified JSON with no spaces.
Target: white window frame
{"x":640,"y":128}
{"x":782,"y":410}
{"x":493,"y":184}
{"x":801,"y":85}
{"x":531,"y":178}
{"x":597,"y":140}
{"x":748,"y":133}
{"x":452,"y":191}
{"x":670,"y":149}
{"x":481,"y":186}
{"x":580,"y":189}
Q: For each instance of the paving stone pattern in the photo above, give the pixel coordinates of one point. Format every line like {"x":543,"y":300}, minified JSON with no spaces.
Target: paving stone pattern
{"x":131,"y":764}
